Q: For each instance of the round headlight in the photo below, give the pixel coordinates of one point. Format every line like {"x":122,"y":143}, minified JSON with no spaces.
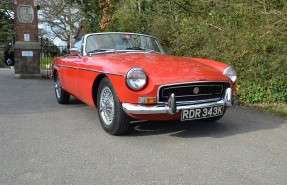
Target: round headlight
{"x":136,"y":79}
{"x":231,"y":73}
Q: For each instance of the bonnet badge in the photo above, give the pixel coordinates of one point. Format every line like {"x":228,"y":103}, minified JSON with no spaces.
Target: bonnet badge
{"x":196,"y":90}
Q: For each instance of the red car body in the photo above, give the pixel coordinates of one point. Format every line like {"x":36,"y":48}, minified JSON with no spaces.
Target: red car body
{"x":81,"y":75}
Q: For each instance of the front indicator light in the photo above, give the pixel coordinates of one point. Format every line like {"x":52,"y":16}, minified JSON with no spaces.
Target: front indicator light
{"x":147,"y":100}
{"x":234,"y":90}
{"x":234,"y":93}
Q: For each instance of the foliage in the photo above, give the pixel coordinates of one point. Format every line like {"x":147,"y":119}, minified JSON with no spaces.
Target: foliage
{"x":49,"y":52}
{"x":96,"y":13}
{"x":62,"y":17}
{"x":46,"y":62}
{"x":6,"y":30}
{"x":251,"y":35}
{"x":279,"y":109}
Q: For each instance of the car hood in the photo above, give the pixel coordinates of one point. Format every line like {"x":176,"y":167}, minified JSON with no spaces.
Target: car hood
{"x":165,"y":69}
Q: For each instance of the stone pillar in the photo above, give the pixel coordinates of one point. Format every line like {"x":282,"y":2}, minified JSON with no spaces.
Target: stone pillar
{"x":27,"y":48}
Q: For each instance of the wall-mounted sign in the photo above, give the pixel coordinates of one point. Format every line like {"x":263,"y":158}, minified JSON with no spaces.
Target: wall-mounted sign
{"x":27,"y":37}
{"x":25,"y":13}
{"x":27,"y":53}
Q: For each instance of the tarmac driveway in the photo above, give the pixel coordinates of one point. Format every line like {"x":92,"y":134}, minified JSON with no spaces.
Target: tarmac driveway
{"x":42,"y":142}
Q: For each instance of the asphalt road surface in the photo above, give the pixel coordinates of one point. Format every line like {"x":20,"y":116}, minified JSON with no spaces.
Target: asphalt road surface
{"x":42,"y":142}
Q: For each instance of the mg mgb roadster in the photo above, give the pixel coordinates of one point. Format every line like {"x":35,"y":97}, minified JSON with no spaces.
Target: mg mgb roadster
{"x":128,"y":76}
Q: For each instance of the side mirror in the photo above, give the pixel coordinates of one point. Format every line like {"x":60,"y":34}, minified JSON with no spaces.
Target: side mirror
{"x":74,"y":51}
{"x":66,"y":51}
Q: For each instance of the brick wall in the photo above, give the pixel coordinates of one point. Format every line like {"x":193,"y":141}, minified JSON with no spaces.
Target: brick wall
{"x":26,"y":28}
{"x":26,"y":65}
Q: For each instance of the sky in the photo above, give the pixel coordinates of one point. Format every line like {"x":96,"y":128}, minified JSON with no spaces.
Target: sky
{"x":56,"y":41}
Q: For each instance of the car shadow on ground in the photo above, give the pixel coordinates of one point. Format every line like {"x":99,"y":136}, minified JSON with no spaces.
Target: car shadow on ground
{"x":74,"y":101}
{"x":236,"y":121}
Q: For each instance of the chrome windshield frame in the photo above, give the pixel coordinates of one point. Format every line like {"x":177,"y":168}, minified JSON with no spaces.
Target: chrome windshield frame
{"x":85,"y":53}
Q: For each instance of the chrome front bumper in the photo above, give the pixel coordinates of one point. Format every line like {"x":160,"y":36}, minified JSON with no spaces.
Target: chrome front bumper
{"x":171,"y":106}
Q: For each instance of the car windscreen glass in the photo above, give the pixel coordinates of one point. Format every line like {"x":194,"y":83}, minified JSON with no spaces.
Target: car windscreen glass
{"x":121,"y":42}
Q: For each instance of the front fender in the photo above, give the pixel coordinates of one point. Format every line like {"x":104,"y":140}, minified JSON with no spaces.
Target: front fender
{"x":127,"y":95}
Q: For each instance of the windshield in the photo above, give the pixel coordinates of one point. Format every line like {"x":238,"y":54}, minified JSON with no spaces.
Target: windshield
{"x":122,"y":42}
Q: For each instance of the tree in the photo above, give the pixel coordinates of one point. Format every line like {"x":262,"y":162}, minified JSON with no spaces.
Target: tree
{"x":61,"y":19}
{"x":96,"y":14}
{"x":250,"y":35}
{"x":6,"y":29}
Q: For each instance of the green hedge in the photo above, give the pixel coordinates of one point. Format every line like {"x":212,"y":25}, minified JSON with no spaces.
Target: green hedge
{"x":251,"y":35}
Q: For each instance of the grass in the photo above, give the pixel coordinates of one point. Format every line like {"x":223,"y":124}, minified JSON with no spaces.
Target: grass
{"x":278,"y":109}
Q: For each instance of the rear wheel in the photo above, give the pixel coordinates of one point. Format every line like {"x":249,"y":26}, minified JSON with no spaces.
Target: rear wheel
{"x":61,"y":96}
{"x":112,"y":117}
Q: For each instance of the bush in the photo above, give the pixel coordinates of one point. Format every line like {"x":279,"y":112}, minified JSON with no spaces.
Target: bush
{"x":250,"y":35}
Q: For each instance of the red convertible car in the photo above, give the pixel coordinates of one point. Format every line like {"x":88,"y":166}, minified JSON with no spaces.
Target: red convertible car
{"x":128,"y":76}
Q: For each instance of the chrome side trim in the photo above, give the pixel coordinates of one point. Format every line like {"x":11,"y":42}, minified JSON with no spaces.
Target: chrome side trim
{"x":91,"y":70}
{"x":165,"y":108}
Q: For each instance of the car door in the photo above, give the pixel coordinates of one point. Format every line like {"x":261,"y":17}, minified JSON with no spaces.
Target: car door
{"x":70,"y":73}
{"x":87,"y":74}
{"x":71,"y":70}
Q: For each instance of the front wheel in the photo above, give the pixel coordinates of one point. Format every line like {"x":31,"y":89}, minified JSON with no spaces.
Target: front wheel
{"x":112,"y":117}
{"x":62,"y":96}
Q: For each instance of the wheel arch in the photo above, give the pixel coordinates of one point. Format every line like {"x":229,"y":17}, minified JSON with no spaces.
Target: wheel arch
{"x":54,"y":73}
{"x":96,"y":87}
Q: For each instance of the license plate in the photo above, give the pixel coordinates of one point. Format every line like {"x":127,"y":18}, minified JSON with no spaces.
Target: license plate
{"x":198,"y":113}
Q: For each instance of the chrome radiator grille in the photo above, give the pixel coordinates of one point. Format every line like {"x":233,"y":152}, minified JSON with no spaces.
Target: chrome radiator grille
{"x":194,"y":91}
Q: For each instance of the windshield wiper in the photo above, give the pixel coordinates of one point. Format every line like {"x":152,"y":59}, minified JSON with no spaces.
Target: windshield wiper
{"x":142,"y":49}
{"x":101,"y":50}
{"x":136,"y":48}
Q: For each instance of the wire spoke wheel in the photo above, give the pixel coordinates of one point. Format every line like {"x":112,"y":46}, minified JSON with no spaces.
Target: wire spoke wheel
{"x":112,"y":117}
{"x":58,"y":87}
{"x":62,"y":96}
{"x":107,"y":106}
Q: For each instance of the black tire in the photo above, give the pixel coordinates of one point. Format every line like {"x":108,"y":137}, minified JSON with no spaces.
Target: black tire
{"x":112,"y":117}
{"x":61,"y":95}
